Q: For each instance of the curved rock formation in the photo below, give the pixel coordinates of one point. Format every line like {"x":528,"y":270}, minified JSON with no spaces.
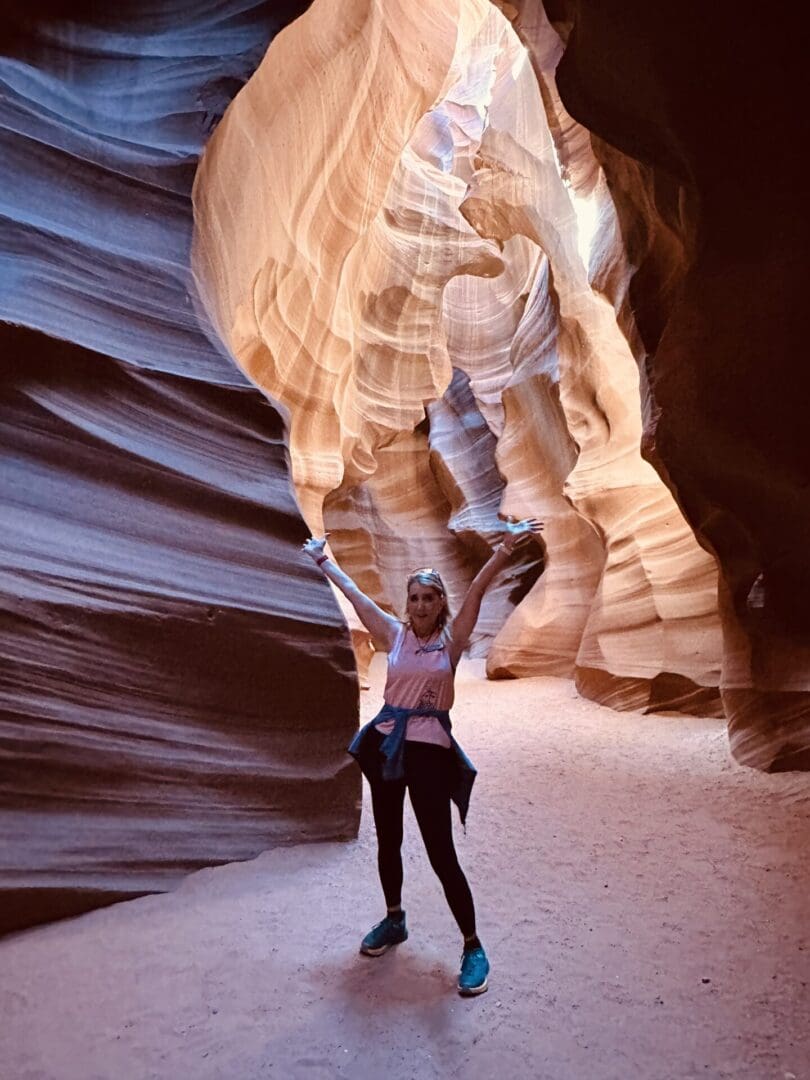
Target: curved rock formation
{"x":333,"y":293}
{"x":700,"y":161}
{"x":352,"y":297}
{"x":153,"y":588}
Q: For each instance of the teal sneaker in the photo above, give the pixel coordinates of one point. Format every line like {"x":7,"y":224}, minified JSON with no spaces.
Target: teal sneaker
{"x":474,"y":971}
{"x":391,"y":931}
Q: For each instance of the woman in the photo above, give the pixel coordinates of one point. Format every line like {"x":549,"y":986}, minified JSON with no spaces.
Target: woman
{"x":409,"y":744}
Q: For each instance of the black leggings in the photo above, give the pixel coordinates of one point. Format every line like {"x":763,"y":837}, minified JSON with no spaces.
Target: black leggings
{"x":428,"y":776}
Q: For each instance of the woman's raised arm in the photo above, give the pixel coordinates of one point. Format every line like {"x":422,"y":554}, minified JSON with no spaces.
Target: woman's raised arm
{"x":465,"y":621}
{"x":382,"y":626}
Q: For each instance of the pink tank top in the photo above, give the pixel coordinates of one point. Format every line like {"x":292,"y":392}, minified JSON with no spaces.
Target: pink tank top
{"x":419,"y":679}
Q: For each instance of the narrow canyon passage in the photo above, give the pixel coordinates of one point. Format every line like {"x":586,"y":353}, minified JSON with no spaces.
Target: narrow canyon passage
{"x":643,"y":900}
{"x":396,"y":272}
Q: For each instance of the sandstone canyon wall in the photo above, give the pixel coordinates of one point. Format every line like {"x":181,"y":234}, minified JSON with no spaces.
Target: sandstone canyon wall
{"x":390,"y":237}
{"x":178,"y":685}
{"x":421,"y":240}
{"x":390,"y":242}
{"x":693,"y":112}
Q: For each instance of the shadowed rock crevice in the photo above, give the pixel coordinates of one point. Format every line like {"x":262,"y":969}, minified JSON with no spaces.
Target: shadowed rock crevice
{"x":694,"y":114}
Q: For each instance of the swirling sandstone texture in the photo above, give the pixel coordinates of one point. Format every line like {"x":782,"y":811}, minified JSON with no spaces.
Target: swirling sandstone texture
{"x":700,"y":160}
{"x":328,"y":236}
{"x":387,"y":246}
{"x":178,"y":686}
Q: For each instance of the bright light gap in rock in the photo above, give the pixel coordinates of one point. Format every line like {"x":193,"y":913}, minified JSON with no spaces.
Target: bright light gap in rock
{"x":586,"y":210}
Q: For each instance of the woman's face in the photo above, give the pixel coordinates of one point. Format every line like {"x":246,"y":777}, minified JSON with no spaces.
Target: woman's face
{"x":424,"y":607}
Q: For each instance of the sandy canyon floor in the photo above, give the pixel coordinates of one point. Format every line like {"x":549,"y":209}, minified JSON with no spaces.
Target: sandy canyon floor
{"x":644,"y":900}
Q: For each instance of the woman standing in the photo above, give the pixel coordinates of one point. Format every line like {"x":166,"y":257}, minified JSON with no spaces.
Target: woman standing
{"x":409,"y":744}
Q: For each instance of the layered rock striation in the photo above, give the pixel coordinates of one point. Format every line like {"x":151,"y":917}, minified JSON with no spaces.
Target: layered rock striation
{"x":390,"y":241}
{"x":178,"y":684}
{"x":332,"y":292}
{"x":374,"y":301}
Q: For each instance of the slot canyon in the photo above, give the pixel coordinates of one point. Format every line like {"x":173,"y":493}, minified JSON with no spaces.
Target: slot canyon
{"x":400,"y":274}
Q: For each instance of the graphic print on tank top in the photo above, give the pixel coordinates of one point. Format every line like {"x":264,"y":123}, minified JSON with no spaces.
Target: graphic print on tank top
{"x":428,"y":699}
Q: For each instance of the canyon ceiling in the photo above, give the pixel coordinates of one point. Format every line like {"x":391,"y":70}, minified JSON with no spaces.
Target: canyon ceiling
{"x":382,"y":314}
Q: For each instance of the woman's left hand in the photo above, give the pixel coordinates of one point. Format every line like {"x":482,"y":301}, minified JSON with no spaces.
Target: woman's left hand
{"x":516,"y":532}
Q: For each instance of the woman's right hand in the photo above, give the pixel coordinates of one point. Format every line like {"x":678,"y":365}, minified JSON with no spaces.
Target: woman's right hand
{"x":314,"y":547}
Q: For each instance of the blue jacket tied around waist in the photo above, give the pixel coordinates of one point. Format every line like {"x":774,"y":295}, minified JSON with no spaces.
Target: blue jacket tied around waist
{"x":392,"y":749}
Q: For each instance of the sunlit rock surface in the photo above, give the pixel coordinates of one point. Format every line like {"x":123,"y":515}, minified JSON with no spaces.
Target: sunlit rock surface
{"x":419,"y":225}
{"x":178,"y":684}
{"x":700,"y":160}
{"x":333,"y":293}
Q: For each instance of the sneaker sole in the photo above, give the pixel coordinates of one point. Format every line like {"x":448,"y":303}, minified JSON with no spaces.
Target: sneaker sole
{"x":382,"y":948}
{"x":473,"y":991}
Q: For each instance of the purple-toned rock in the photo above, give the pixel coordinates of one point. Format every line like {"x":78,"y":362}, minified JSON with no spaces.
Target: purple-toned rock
{"x":178,"y":685}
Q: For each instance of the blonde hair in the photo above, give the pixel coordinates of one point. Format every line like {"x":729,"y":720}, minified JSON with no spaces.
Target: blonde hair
{"x":426,"y":575}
